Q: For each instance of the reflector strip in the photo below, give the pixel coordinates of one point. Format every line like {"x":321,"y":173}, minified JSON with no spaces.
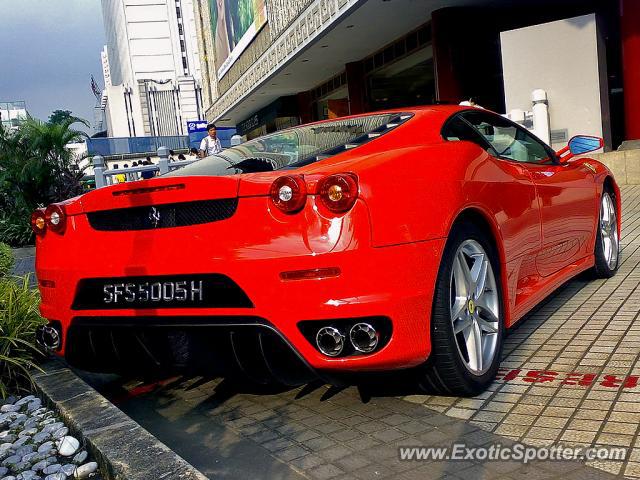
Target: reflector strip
{"x":313,"y":274}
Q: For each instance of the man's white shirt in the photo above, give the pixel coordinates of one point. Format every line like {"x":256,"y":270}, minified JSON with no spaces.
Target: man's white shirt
{"x":210,"y":146}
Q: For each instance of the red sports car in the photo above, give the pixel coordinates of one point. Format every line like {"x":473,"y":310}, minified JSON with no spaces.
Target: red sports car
{"x":405,"y":239}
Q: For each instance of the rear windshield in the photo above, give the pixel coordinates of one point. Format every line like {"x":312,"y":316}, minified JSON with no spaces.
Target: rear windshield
{"x":286,"y":149}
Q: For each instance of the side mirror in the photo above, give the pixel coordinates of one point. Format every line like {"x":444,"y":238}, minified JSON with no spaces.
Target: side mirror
{"x":579,"y":145}
{"x":584,"y":144}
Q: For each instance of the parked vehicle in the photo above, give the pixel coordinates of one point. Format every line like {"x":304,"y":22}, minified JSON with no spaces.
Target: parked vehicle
{"x":405,"y":239}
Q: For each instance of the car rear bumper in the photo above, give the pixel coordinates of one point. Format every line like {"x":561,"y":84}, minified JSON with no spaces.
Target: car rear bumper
{"x":395,"y":282}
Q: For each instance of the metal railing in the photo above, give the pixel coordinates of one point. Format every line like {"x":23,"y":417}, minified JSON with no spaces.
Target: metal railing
{"x":104,"y":177}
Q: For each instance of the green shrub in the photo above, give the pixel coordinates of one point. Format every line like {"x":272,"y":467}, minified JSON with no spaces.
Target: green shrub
{"x":15,"y":229}
{"x":6,"y":259}
{"x":19,"y":319}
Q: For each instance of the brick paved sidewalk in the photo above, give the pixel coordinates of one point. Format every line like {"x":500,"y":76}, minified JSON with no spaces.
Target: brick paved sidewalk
{"x":584,"y":338}
{"x":314,"y":432}
{"x":590,"y":329}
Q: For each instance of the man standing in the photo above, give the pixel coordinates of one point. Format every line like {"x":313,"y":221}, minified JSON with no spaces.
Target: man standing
{"x":210,"y":144}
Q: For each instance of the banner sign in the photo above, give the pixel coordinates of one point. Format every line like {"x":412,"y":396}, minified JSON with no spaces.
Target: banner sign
{"x":194,"y":126}
{"x":234,"y":24}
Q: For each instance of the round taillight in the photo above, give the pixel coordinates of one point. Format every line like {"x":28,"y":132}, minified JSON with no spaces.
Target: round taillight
{"x":338,"y":192}
{"x":289,"y":193}
{"x":38,"y":222}
{"x":56,"y":218}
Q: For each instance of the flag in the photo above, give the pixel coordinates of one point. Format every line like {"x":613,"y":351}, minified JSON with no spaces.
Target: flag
{"x":95,"y":89}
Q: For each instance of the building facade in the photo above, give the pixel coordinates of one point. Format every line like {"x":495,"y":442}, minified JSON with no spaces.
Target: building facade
{"x":12,"y":114}
{"x":316,"y":59}
{"x":151,"y":67}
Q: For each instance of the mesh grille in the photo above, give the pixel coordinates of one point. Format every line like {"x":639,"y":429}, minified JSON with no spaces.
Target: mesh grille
{"x":163,"y":216}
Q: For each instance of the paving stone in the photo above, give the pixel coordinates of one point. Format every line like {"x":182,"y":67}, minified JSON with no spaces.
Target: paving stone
{"x":585,"y":326}
{"x":326,"y":471}
{"x":291,"y":453}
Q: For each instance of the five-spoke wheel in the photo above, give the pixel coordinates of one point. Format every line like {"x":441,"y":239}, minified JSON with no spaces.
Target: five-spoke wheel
{"x":607,"y":249}
{"x":474,"y":306}
{"x":467,"y":321}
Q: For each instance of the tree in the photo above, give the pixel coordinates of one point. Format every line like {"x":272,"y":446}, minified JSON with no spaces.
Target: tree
{"x":59,"y":116}
{"x":36,"y":169}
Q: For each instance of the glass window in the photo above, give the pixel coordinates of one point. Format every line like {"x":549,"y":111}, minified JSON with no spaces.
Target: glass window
{"x":508,"y":140}
{"x":286,"y":149}
{"x":407,"y":81}
{"x":456,"y":130}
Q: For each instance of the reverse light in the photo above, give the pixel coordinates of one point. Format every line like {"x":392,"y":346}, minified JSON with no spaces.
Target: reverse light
{"x":56,"y":218}
{"x":289,"y":193}
{"x":38,"y":222}
{"x":338,"y":192}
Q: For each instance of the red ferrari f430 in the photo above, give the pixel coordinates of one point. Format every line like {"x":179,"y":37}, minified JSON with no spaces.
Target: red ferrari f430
{"x":401,"y":240}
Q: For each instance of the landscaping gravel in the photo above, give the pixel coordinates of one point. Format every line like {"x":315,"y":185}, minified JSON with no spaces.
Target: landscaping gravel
{"x":36,"y":445}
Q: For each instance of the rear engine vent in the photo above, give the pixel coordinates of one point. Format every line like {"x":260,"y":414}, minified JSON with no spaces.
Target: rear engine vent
{"x":163,"y":216}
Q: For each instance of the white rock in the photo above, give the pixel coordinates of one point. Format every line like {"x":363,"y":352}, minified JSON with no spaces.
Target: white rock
{"x":9,"y":408}
{"x":61,"y":432}
{"x":67,"y":446}
{"x":68,"y":469}
{"x":80,"y":457}
{"x":85,"y":470}
{"x":51,"y":469}
{"x":28,"y":475}
{"x":25,"y":400}
{"x":56,"y":476}
{"x":45,"y":448}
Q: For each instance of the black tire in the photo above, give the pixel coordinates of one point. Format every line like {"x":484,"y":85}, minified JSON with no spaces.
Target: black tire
{"x":601,"y":268}
{"x":445,"y":372}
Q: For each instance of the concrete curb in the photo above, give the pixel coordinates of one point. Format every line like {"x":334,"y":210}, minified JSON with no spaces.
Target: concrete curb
{"x":122,"y":448}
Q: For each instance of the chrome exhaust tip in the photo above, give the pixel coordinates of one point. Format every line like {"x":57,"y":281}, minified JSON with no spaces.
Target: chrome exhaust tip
{"x":48,"y":338}
{"x":364,"y":337}
{"x":330,"y":341}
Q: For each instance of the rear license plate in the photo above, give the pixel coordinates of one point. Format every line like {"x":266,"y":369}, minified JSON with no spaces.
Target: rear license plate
{"x":172,"y":291}
{"x":156,"y":292}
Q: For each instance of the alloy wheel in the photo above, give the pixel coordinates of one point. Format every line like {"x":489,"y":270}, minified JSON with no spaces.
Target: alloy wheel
{"x":475,"y":307}
{"x":609,"y":231}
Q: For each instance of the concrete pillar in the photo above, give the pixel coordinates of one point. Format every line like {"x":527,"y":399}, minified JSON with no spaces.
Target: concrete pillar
{"x":444,"y":27}
{"x":356,"y":87}
{"x":630,"y":33}
{"x":541,"y":125}
{"x":305,"y":112}
{"x":98,"y":169}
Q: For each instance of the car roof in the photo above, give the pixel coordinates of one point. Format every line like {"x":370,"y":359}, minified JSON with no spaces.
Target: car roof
{"x":436,"y":114}
{"x":439,"y":110}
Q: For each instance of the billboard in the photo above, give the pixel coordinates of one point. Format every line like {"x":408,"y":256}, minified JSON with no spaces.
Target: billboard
{"x":234,"y":24}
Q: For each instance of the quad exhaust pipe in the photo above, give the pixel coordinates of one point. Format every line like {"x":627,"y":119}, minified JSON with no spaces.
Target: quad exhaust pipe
{"x":330,"y":341}
{"x":48,"y":337}
{"x":363,"y":337}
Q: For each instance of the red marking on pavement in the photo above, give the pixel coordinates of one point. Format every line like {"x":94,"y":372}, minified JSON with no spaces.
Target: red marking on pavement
{"x":540,"y":376}
{"x":141,"y":390}
{"x":582,"y":379}
{"x":573,"y":378}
